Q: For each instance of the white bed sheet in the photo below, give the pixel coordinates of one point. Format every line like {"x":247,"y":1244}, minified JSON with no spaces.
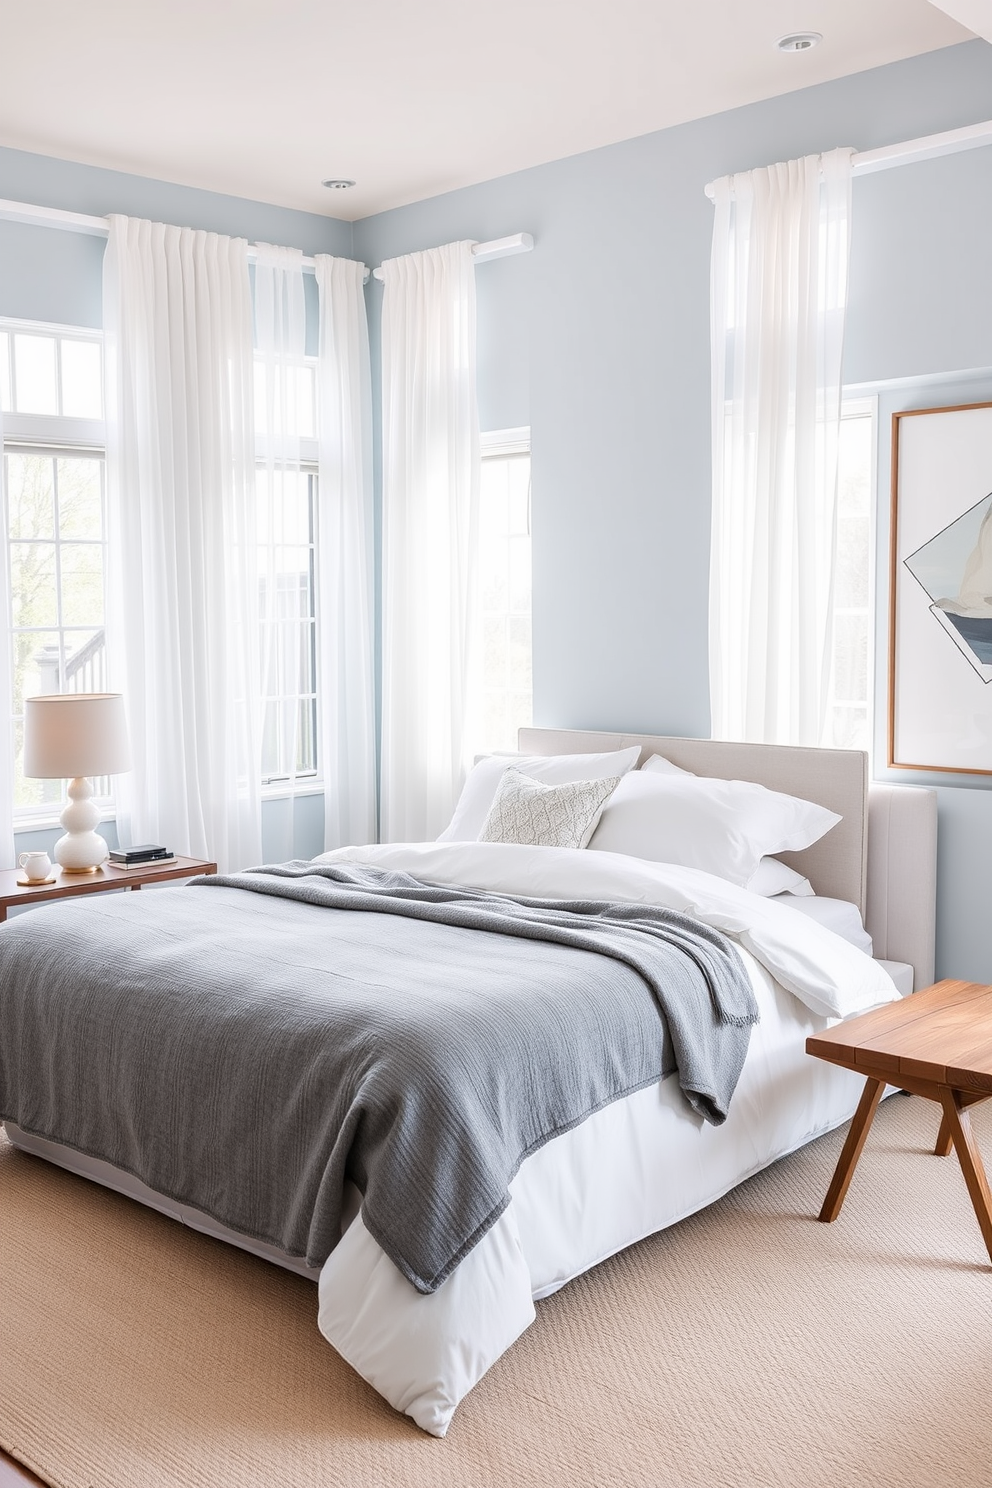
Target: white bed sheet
{"x":633,"y":1168}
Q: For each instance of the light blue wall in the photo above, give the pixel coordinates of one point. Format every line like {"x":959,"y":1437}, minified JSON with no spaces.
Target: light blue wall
{"x":600,"y":341}
{"x":51,"y":275}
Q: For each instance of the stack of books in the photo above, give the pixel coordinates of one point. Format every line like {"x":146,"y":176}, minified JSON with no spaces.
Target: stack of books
{"x":146,"y":856}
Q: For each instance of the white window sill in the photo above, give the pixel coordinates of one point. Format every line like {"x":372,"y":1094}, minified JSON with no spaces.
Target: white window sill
{"x":282,"y":790}
{"x":49,"y":821}
{"x":278,"y":790}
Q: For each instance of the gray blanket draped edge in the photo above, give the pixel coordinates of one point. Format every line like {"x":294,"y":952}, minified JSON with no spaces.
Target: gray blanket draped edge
{"x":247,"y":1063}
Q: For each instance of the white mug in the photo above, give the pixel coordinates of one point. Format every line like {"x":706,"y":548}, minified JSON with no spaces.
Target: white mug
{"x":37,"y":865}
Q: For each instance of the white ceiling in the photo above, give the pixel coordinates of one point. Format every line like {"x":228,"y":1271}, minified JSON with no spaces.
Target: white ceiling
{"x":975,"y":14}
{"x":265,"y":98}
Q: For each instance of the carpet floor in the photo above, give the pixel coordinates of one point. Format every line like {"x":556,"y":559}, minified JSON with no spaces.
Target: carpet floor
{"x":748,"y":1345}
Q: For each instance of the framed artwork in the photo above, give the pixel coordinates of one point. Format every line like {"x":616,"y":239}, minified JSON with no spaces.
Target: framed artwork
{"x":940,"y":591}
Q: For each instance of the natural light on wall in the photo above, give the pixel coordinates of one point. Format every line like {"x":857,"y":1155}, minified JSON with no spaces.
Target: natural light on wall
{"x":503,"y":676}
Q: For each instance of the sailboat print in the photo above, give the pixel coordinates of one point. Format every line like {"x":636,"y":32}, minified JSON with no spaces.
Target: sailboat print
{"x":955,"y":570}
{"x":970,"y":612}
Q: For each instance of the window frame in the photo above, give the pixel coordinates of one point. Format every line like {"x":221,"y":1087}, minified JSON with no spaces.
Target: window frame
{"x":32,"y":818}
{"x":54,"y":429}
{"x":501,"y":444}
{"x":494,"y":442}
{"x":284,"y":787}
{"x":55,"y":436}
{"x":310,"y":783}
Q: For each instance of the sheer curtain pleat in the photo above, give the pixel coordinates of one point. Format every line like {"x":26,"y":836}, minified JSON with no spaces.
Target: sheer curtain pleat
{"x":778,"y":299}
{"x":183,"y":593}
{"x":430,"y":516}
{"x":6,"y":678}
{"x":284,"y":413}
{"x":344,"y":556}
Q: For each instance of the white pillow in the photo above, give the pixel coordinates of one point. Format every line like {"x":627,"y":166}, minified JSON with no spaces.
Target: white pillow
{"x":722,"y":826}
{"x":479,"y":789}
{"x":772,"y":877}
{"x":658,"y":765}
{"x":537,"y":815}
{"x":835,"y":914}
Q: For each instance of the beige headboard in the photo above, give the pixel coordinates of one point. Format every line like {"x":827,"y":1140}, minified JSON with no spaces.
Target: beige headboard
{"x":835,"y":778}
{"x":895,"y":891}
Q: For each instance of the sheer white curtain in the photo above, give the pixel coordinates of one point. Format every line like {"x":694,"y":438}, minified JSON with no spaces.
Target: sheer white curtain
{"x":778,"y":300}
{"x":284,"y":413}
{"x":344,"y":561}
{"x":6,"y":679}
{"x":430,"y":457}
{"x":183,"y":623}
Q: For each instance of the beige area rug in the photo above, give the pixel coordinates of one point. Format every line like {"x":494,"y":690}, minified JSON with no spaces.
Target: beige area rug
{"x":747,"y":1346}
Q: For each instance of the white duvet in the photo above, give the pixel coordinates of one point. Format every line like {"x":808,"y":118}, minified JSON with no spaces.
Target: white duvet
{"x":638,"y":1165}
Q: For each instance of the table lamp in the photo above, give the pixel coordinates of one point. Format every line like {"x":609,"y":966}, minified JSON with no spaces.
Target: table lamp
{"x":74,"y":736}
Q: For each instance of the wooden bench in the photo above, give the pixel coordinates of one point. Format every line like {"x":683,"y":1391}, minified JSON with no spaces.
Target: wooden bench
{"x":936,"y":1043}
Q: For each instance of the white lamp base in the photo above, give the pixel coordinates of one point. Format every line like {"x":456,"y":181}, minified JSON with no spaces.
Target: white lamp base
{"x":81,"y":850}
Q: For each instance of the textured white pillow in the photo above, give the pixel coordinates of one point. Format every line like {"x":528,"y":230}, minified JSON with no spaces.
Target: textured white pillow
{"x":479,"y":789}
{"x":773,"y":877}
{"x":722,"y":826}
{"x":538,"y":815}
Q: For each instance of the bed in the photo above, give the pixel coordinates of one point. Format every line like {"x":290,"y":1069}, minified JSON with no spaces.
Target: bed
{"x":632,"y":1165}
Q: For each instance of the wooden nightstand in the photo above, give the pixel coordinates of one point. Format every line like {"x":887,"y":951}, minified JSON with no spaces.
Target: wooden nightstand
{"x":67,"y":885}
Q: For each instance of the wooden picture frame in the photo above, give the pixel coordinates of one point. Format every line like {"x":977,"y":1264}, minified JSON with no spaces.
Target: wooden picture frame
{"x":940,"y":590}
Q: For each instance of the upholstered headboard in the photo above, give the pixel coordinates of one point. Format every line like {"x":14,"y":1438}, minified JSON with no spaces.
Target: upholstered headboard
{"x":881,"y":856}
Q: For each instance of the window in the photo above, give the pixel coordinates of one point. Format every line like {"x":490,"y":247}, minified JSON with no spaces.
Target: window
{"x":848,"y":725}
{"x":286,"y":487}
{"x":287,"y":617}
{"x":51,"y":392}
{"x":504,"y":685}
{"x":51,"y":371}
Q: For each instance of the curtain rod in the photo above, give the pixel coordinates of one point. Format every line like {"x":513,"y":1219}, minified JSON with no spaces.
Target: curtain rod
{"x":867,"y":162}
{"x":77,"y":222}
{"x":99,"y":227}
{"x":496,"y":248}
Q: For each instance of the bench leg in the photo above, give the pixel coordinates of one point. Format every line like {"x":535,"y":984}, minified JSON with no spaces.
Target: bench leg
{"x":945,"y":1142}
{"x":851,"y":1151}
{"x":958,"y":1123}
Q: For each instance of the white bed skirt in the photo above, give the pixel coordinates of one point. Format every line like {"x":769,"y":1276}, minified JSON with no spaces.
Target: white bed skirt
{"x":633,"y":1168}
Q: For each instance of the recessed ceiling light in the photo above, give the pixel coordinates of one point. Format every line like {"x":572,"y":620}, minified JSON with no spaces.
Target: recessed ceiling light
{"x":337,"y":185}
{"x":798,"y":41}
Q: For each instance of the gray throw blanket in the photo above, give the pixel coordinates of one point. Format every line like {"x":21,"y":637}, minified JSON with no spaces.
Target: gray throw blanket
{"x":245,"y":1054}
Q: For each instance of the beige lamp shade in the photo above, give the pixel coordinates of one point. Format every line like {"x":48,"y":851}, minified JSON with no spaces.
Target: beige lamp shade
{"x":75,"y":734}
